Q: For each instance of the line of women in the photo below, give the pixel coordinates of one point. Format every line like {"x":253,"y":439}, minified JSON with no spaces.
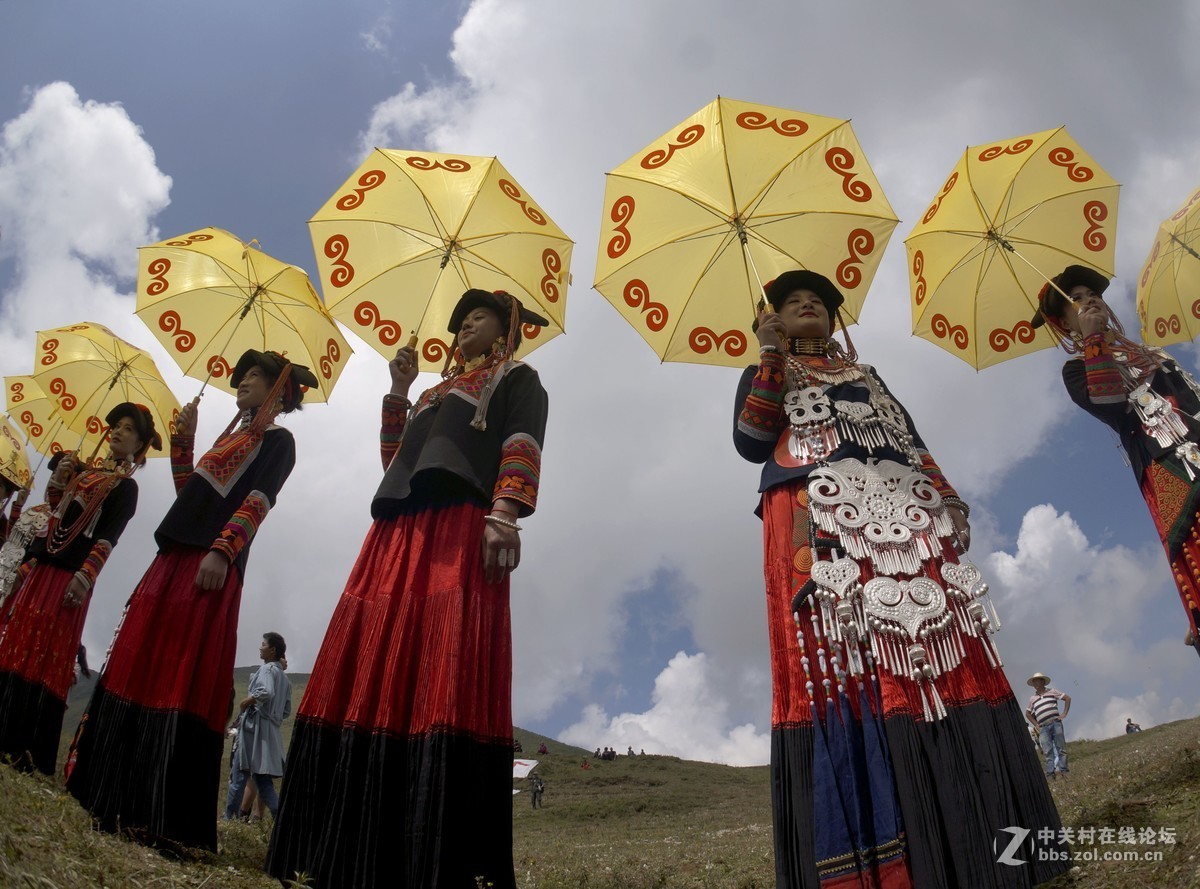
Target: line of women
{"x":899,"y":755}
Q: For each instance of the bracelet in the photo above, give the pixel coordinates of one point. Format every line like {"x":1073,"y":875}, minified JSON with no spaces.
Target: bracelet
{"x":959,"y":502}
{"x":763,"y":350}
{"x":393,"y":397}
{"x":504,"y":523}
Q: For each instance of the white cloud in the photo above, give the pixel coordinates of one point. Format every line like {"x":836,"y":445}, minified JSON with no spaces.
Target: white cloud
{"x":689,"y":718}
{"x":376,"y":39}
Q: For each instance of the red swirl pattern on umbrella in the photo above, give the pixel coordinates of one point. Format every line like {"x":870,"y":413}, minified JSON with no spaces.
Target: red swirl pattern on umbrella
{"x":860,"y":243}
{"x":637,"y":296}
{"x":621,"y":213}
{"x":67,"y":401}
{"x":1186,"y":208}
{"x":841,"y":161}
{"x":435,"y":349}
{"x":937,"y":202}
{"x":1095,"y":212}
{"x":1163,"y":326}
{"x":34,"y":427}
{"x":660,"y":156}
{"x":218,"y":367}
{"x":368,"y":314}
{"x":943,"y":329}
{"x":1150,"y":263}
{"x":756,"y":120}
{"x":703,"y":340}
{"x":1000,"y":339}
{"x":367,"y":181}
{"x":16,"y":393}
{"x":158,"y":269}
{"x":190,"y":240}
{"x":450,"y":164}
{"x":1065,"y":158}
{"x":94,"y":425}
{"x":552,"y":266}
{"x":513,"y":193}
{"x":994,"y":151}
{"x":329,"y":360}
{"x":918,"y":270}
{"x":530,"y":331}
{"x":336,"y":248}
{"x":171,"y":323}
{"x":51,"y":356}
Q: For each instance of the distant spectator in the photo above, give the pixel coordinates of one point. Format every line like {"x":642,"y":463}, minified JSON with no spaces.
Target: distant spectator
{"x":585,"y":764}
{"x":517,"y":748}
{"x":539,"y":787}
{"x":542,"y":749}
{"x":260,"y":742}
{"x":1131,"y":726}
{"x":596,"y":755}
{"x":643,"y":753}
{"x":81,"y":659}
{"x":631,"y":753}
{"x":1042,"y":711}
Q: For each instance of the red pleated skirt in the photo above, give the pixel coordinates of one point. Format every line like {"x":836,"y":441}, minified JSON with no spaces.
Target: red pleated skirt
{"x":39,"y":637}
{"x":419,"y":641}
{"x":1185,"y":566}
{"x":176,"y":644}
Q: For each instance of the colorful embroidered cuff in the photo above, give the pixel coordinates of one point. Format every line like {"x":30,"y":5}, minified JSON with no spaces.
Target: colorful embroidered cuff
{"x":391,"y":427}
{"x":182,"y":449}
{"x":94,"y":562}
{"x":520,"y":471}
{"x":933,"y":472}
{"x":762,"y":413}
{"x":1104,"y":382}
{"x":242,"y":526}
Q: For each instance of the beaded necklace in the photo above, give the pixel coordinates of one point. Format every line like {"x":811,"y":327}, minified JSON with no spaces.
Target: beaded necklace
{"x":92,"y":492}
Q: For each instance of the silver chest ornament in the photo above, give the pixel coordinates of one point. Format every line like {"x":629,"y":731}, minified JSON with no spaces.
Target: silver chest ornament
{"x":812,"y":436}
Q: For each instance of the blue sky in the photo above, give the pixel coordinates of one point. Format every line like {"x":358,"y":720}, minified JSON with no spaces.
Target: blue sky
{"x":638,"y":612}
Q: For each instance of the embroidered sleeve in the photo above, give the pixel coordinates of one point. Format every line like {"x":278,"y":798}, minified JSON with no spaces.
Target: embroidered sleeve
{"x":242,"y":526}
{"x":391,"y":428}
{"x":94,"y":562}
{"x":182,"y":451}
{"x":761,"y":415}
{"x":933,"y":472}
{"x":520,"y":470}
{"x":1104,"y":383}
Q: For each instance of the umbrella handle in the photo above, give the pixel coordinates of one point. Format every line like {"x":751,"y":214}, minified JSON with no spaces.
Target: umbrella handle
{"x":412,"y":341}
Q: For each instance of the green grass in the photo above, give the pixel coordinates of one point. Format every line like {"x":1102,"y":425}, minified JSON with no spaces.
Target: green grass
{"x":653,"y":822}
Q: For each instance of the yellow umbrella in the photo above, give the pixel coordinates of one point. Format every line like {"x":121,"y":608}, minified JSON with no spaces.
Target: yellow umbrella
{"x":1010,"y":216}
{"x":696,"y":222}
{"x":1168,"y":292}
{"x":409,"y":231}
{"x":88,"y":370}
{"x":39,"y":417}
{"x":14,"y":462}
{"x":208,"y":297}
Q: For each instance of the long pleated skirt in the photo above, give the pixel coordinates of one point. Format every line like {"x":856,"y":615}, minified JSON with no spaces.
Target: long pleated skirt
{"x":148,"y":759}
{"x":1171,"y":503}
{"x":868,"y":792}
{"x":39,"y":639}
{"x":399,"y":773}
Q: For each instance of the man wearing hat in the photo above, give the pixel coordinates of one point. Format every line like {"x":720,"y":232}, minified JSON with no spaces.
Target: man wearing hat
{"x":1042,"y":713}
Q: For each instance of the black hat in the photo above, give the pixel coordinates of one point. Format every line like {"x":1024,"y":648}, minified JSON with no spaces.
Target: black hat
{"x":498,"y":302}
{"x":143,"y":422}
{"x":803,"y":279}
{"x":272,"y":364}
{"x":1051,"y":302}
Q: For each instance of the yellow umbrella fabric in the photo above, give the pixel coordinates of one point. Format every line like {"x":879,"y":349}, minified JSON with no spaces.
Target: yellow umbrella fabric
{"x":88,"y":370}
{"x":409,"y":231}
{"x":14,"y":461}
{"x":728,"y":199}
{"x":1168,"y":291}
{"x":1010,"y":216}
{"x":208,"y":297}
{"x":39,"y":417}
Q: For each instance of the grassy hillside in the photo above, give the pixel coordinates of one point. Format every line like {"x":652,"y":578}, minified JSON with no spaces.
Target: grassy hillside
{"x":636,"y":823}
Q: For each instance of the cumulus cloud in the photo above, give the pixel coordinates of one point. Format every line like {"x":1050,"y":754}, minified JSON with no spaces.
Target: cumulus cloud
{"x":688,"y":719}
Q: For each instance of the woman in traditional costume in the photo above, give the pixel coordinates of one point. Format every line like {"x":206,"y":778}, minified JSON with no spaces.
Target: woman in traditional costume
{"x":400,"y":766}
{"x":899,"y":754}
{"x":1148,"y":400}
{"x":30,"y":524}
{"x":41,"y":627}
{"x":148,"y":756}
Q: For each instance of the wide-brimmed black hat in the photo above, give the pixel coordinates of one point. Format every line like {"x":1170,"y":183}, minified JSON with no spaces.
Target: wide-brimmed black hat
{"x":272,"y":364}
{"x":1051,"y":303}
{"x":804,"y":279}
{"x":499,"y":302}
{"x":143,"y":422}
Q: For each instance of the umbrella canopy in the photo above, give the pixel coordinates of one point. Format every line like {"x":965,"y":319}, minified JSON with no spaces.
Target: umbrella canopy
{"x":39,"y":417}
{"x":1010,"y":216}
{"x":410,"y":231}
{"x":208,"y":297}
{"x":1168,"y":292}
{"x":696,"y":223}
{"x":88,"y":370}
{"x":14,"y":462}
